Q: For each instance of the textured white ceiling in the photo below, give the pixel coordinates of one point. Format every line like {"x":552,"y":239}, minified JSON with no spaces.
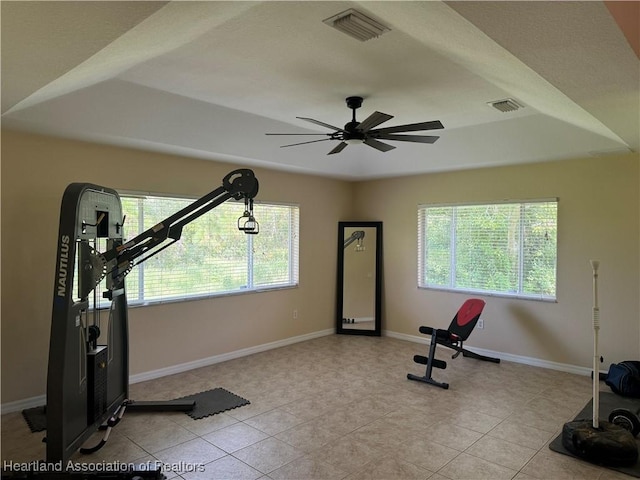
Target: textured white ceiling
{"x":209,"y":79}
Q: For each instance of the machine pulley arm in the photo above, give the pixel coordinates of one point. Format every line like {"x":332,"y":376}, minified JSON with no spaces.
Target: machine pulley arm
{"x":238,"y":184}
{"x":358,"y":235}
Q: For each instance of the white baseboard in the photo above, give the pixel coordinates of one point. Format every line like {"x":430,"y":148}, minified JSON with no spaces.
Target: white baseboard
{"x":20,"y":405}
{"x":535,"y":362}
{"x":40,"y":400}
{"x":205,"y":362}
{"x":362,"y":319}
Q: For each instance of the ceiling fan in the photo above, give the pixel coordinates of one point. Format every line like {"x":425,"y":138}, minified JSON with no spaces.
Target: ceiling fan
{"x":364,"y":132}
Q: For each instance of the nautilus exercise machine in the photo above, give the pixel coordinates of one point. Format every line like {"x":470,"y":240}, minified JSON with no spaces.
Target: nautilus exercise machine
{"x":87,"y":380}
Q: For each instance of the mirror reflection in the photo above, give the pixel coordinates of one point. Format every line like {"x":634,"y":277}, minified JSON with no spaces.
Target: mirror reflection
{"x":359,"y":278}
{"x":359,"y":304}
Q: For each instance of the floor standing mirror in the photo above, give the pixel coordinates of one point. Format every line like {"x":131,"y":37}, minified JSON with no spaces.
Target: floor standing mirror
{"x":359,"y":292}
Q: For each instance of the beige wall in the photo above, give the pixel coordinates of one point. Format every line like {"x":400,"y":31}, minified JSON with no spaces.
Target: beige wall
{"x":35,"y":172}
{"x":598,"y":219}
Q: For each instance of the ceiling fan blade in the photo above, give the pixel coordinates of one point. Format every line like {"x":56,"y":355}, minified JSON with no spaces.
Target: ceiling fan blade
{"x":297,"y":134}
{"x":303,"y":143}
{"x":412,"y":127}
{"x":341,"y":146}
{"x":408,"y":138}
{"x":322,"y":124}
{"x":373,"y":120}
{"x":383,"y":147}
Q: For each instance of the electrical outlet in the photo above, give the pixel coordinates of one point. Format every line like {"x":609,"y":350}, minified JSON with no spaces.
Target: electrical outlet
{"x":295,"y":314}
{"x":480,"y":324}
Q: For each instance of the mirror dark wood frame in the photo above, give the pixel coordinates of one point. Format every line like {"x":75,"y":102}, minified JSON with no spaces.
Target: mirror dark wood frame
{"x":341,"y":328}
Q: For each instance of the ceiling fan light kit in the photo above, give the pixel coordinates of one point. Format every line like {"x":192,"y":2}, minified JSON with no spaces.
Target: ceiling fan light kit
{"x":365,"y":131}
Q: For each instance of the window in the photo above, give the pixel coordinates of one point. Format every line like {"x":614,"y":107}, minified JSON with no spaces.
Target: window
{"x":212,"y":256}
{"x":506,"y":248}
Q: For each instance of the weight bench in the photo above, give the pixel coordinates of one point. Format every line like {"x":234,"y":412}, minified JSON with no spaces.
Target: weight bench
{"x":461,"y":327}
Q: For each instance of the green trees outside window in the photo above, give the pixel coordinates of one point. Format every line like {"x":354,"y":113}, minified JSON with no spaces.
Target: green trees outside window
{"x":505,"y":248}
{"x":212,"y":257}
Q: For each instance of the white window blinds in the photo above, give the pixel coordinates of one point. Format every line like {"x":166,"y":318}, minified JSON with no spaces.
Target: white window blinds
{"x":506,"y":248}
{"x":212,"y":257}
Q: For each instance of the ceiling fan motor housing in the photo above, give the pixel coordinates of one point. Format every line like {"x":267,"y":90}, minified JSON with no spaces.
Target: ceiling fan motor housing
{"x":351,"y":131}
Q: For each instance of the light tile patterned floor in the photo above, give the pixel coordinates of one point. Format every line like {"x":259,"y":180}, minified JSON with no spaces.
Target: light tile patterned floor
{"x":341,"y":407}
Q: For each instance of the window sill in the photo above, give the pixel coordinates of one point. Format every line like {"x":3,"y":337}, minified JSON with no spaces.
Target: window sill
{"x":486,"y":293}
{"x":149,"y":303}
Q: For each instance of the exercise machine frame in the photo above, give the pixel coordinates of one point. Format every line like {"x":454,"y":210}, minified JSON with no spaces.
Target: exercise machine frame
{"x":87,"y":381}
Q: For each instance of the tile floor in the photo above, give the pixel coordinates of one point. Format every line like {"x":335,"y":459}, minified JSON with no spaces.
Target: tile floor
{"x":340,"y":407}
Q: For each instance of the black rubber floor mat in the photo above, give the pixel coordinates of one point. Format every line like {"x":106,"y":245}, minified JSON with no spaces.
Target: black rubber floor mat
{"x":208,"y":403}
{"x":213,"y":401}
{"x":608,"y":402}
{"x":36,"y":418}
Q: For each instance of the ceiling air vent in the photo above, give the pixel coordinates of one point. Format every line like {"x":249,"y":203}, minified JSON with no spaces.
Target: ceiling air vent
{"x":506,"y":105}
{"x":356,"y":25}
